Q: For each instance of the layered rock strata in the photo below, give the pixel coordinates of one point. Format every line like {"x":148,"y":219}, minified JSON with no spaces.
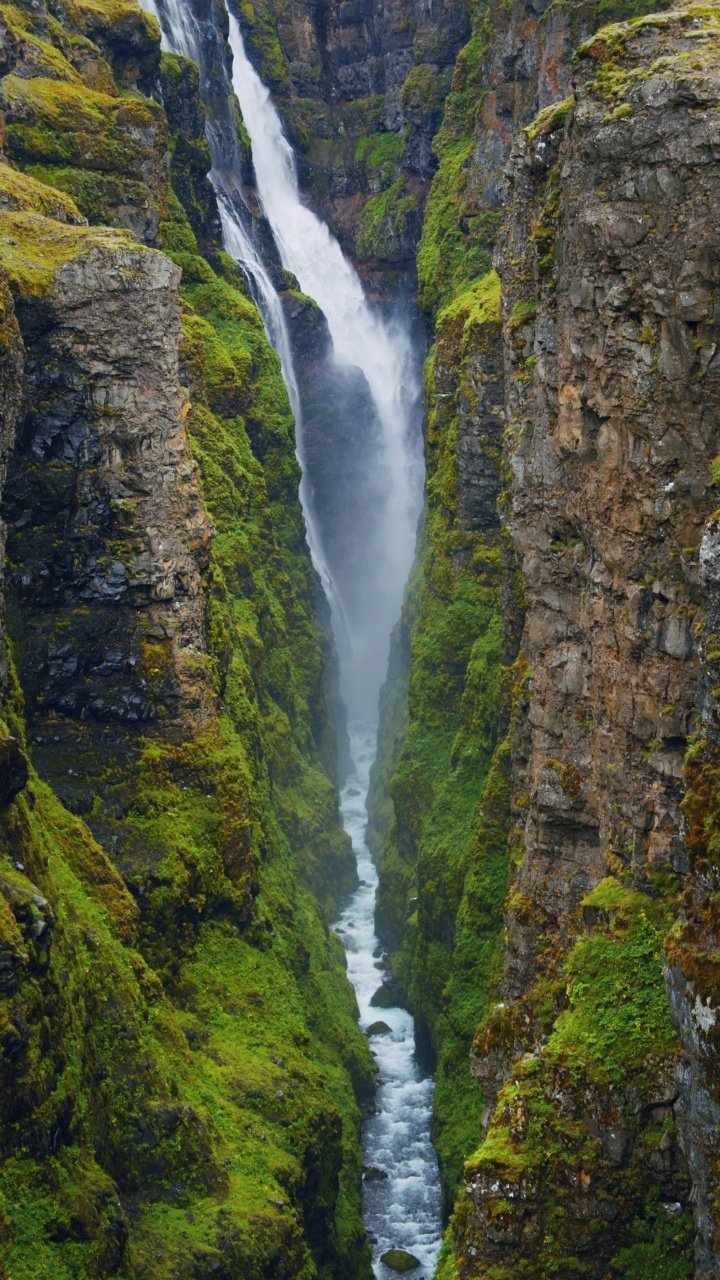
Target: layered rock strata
{"x":601,"y":1124}
{"x":109,"y":538}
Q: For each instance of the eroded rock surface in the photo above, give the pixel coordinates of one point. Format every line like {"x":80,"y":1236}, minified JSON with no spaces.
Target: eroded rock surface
{"x":609,"y":261}
{"x":108,"y":534}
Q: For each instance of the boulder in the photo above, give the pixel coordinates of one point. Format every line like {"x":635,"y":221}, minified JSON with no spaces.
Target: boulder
{"x":400,"y":1260}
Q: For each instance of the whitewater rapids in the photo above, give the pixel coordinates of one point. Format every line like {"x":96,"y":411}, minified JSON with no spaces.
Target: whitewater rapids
{"x":401,"y":1211}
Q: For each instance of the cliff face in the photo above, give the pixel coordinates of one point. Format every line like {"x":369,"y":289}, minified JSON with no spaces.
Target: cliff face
{"x":588,"y":467}
{"x":180,"y":1070}
{"x":608,"y":274}
{"x":361,"y":89}
{"x":179,"y":1061}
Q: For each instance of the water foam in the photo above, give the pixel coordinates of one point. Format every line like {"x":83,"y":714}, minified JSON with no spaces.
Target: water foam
{"x":401,"y":1211}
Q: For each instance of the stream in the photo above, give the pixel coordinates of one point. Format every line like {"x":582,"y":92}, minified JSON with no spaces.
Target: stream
{"x":401,"y":1211}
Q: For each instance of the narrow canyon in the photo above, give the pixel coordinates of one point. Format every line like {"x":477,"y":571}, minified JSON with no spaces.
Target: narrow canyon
{"x":359,"y":640}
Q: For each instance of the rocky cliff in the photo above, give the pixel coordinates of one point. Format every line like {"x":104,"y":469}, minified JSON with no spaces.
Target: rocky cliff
{"x":182,"y":1075}
{"x":181,"y":1069}
{"x":572,"y":429}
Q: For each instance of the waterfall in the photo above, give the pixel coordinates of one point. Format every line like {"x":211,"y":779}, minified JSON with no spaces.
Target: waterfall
{"x":369,"y":458}
{"x":363,"y":610}
{"x":181,"y":34}
{"x":381,"y":349}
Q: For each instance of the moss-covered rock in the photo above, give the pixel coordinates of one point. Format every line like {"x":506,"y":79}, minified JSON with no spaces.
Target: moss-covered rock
{"x":181,"y":1063}
{"x":442,"y":847}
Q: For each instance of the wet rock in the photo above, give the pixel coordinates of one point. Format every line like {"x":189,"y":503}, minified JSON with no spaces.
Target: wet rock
{"x":383,"y":998}
{"x":13,"y":770}
{"x":612,"y":443}
{"x":400,"y":1260}
{"x":378,"y":1029}
{"x":372,"y":1174}
{"x":111,"y":324}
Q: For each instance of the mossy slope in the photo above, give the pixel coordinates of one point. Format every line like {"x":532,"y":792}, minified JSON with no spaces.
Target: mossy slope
{"x":181,"y":1061}
{"x":454,"y":716}
{"x":442,"y":845}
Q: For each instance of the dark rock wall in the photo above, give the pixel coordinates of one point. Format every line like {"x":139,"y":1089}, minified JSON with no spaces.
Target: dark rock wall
{"x":596,"y":1153}
{"x":11,"y":367}
{"x":109,"y":538}
{"x":169,"y":837}
{"x":612,"y":426}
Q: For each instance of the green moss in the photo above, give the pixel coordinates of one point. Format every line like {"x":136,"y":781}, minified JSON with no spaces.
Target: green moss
{"x":440,"y":798}
{"x":618,"y":1007}
{"x":458,"y":235}
{"x":475,"y":306}
{"x":613,"y":1040}
{"x":423,"y":94}
{"x":551,"y":118}
{"x":192,"y":1050}
{"x":380,"y":155}
{"x":52,"y":122}
{"x":33,"y":247}
{"x":616,"y":75}
{"x":260,"y":33}
{"x":387,"y":223}
{"x":19,"y":191}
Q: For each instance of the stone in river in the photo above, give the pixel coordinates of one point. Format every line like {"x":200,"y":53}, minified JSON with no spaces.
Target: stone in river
{"x":400,"y":1260}
{"x":372,"y":1174}
{"x":378,"y":1029}
{"x":383,"y":998}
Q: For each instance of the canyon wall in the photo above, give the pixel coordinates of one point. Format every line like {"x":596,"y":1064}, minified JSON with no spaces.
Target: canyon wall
{"x":544,"y":810}
{"x":182,"y":1075}
{"x":181,"y":1070}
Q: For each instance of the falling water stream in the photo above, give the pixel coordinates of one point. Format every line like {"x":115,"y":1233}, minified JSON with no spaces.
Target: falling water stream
{"x":382,"y":349}
{"x":401,"y":1195}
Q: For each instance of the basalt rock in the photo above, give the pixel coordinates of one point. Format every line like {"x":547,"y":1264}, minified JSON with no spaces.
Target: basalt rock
{"x":692,"y":974}
{"x":608,"y":262}
{"x":400,"y":1260}
{"x":108,"y":535}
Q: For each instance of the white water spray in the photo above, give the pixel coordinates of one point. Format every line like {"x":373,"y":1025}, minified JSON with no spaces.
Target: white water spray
{"x":382,"y":350}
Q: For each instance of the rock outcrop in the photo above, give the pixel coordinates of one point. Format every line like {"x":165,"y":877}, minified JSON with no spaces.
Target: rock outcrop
{"x":108,"y":535}
{"x":597,"y":1149}
{"x":608,"y":266}
{"x":169,"y":836}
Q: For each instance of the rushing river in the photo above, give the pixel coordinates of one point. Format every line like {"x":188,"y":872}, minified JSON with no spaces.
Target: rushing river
{"x":401,"y":1211}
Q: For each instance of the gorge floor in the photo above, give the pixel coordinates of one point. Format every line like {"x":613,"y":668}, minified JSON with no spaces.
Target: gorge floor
{"x":401,"y":1210}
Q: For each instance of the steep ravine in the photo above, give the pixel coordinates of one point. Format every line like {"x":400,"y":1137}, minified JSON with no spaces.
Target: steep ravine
{"x":183,"y":1079}
{"x":181,"y":1067}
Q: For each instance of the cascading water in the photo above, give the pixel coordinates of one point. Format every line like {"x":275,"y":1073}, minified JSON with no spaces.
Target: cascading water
{"x":401,"y":1200}
{"x":384,"y":353}
{"x":401,"y":1195}
{"x":181,"y":34}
